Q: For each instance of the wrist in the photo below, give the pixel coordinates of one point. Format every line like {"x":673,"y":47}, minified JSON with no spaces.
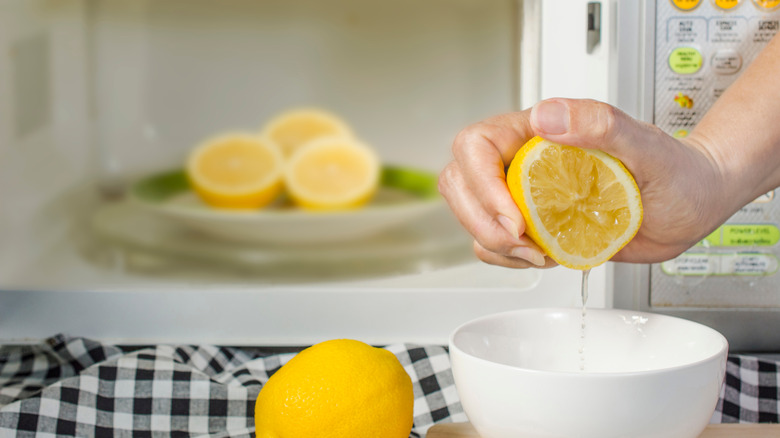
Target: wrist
{"x":713,"y":183}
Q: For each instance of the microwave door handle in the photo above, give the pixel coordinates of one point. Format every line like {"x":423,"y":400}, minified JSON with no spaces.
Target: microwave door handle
{"x":594,"y":26}
{"x":530,"y":60}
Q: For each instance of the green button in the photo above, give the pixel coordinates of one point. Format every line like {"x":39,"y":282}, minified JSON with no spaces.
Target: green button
{"x":750,"y":235}
{"x":685,"y":60}
{"x":713,"y":239}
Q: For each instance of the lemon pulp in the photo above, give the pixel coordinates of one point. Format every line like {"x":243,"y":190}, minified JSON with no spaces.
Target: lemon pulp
{"x":585,"y":199}
{"x":333,"y":173}
{"x":237,"y":163}
{"x":236,"y":171}
{"x":581,"y":206}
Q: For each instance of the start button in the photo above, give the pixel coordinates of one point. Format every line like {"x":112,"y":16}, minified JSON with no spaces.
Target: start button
{"x":685,"y":60}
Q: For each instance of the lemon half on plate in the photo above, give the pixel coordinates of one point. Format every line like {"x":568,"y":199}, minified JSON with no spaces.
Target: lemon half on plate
{"x":581,"y":206}
{"x":332,"y":173}
{"x":296,"y":127}
{"x":236,"y":171}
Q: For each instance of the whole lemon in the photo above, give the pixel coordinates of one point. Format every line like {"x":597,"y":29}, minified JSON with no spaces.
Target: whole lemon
{"x":340,"y":388}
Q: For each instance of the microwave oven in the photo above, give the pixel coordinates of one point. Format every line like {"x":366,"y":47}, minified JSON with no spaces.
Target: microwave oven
{"x":98,"y":97}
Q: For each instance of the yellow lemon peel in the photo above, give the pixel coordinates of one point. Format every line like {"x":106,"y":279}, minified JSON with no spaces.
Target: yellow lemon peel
{"x":336,"y":389}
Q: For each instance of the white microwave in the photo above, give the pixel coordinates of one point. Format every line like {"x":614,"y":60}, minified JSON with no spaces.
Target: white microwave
{"x":99,"y":96}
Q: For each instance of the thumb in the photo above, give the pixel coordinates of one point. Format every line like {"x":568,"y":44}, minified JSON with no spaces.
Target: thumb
{"x":592,"y":124}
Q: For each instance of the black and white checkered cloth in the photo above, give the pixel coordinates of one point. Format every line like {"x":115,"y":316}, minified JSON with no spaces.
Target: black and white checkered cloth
{"x":77,"y":387}
{"x":751,"y":393}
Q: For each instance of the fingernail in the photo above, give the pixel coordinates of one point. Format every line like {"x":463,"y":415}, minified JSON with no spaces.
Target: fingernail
{"x":551,"y":117}
{"x":530,"y":254}
{"x":509,"y":225}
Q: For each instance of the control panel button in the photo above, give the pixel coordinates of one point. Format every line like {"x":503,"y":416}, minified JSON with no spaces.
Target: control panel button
{"x":750,"y":264}
{"x":682,"y":31}
{"x":730,"y":30}
{"x":685,"y":60}
{"x":686,"y":5}
{"x":691,"y":264}
{"x":750,"y":235}
{"x":727,"y":4}
{"x":726,"y":62}
{"x":767,"y":4}
{"x":687,"y":264}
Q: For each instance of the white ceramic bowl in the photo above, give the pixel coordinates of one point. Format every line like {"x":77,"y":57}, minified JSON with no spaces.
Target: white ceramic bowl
{"x":518,"y":374}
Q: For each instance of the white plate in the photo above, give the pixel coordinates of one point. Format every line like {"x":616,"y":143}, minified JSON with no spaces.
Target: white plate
{"x":405,"y":195}
{"x":149,"y":245}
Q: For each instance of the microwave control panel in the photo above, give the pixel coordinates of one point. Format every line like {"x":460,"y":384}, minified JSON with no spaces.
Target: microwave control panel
{"x":701,"y":47}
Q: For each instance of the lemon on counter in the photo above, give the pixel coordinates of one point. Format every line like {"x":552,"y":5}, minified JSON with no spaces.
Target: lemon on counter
{"x":236,"y":171}
{"x":332,"y":173}
{"x":294,"y":128}
{"x":336,"y":389}
{"x":580,"y":206}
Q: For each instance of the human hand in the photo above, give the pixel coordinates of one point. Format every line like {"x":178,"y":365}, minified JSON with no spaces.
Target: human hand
{"x":680,"y":181}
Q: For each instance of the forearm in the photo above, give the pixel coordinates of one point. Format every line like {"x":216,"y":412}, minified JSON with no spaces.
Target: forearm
{"x":741,"y":132}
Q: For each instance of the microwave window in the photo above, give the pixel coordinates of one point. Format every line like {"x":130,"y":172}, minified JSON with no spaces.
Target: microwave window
{"x":107,"y":102}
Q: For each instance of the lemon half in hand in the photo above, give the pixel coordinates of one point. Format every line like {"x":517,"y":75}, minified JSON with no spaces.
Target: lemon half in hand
{"x":332,"y":173}
{"x":337,"y":389}
{"x":294,"y":128}
{"x":236,"y":171}
{"x":581,"y":206}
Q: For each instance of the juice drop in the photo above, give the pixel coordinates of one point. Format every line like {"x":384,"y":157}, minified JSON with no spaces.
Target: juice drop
{"x":585,"y":274}
{"x":584,"y":292}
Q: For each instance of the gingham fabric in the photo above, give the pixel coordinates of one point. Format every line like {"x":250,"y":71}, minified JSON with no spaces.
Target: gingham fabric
{"x":751,"y":393}
{"x":77,"y":387}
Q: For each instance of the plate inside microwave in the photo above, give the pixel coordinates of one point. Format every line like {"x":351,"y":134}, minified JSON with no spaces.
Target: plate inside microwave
{"x":138,"y":241}
{"x":404,"y":195}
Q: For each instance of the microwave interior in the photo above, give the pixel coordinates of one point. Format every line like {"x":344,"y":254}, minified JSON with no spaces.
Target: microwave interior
{"x":99,"y":95}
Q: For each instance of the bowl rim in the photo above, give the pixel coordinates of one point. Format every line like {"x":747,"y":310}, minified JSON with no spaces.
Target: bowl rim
{"x":722,"y":351}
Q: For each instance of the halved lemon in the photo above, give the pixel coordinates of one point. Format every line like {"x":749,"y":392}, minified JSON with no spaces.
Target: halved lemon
{"x":581,"y":206}
{"x":236,"y":171}
{"x":332,"y":173}
{"x":294,"y":128}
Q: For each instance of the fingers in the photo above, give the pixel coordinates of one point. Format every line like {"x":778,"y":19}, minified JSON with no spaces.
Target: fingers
{"x":596,"y":125}
{"x":520,"y":262}
{"x":482,"y":152}
{"x":475,"y":187}
{"x":490,"y":231}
